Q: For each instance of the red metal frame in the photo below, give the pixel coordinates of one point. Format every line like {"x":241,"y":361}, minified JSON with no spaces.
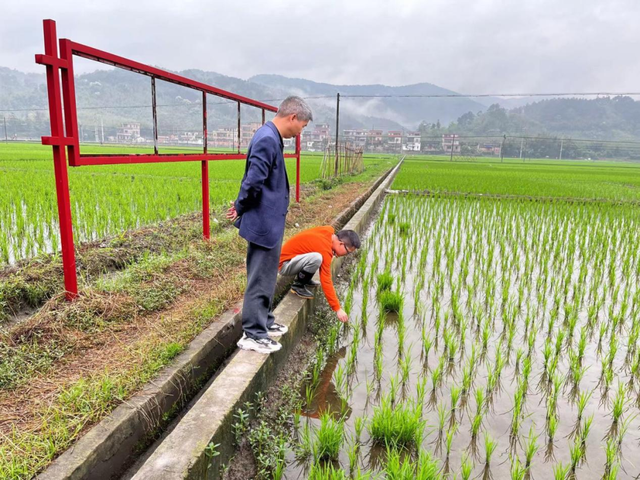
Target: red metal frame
{"x":60,"y":76}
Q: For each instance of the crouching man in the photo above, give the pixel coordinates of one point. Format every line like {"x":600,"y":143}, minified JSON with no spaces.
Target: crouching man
{"x":306,"y":252}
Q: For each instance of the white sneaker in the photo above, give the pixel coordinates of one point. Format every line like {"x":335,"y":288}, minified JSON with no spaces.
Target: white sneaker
{"x":262,"y":345}
{"x":277,"y":329}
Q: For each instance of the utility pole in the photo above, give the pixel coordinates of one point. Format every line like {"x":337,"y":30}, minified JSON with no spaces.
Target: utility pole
{"x":561,"y":145}
{"x":504,"y":139}
{"x":452,"y":137}
{"x":337,"y":133}
{"x":521,"y":145}
{"x":6,"y":137}
{"x":102,"y":131}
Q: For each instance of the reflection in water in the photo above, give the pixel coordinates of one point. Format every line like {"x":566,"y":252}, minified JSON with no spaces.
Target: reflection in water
{"x":326,"y":397}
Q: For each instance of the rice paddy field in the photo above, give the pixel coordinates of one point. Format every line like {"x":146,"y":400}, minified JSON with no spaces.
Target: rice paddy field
{"x":108,"y":200}
{"x":489,"y":337}
{"x":536,"y":178}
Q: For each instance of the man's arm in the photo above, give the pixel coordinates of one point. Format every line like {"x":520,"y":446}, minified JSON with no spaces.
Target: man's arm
{"x":260,"y":163}
{"x":330,"y":292}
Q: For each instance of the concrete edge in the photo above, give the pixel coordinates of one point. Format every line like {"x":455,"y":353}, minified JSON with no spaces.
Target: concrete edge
{"x":109,"y":447}
{"x":188,"y":451}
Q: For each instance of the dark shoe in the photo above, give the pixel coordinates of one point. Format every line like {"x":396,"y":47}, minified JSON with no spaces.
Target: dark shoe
{"x":277,"y":329}
{"x":261,"y":345}
{"x":301,"y":290}
{"x":306,"y":278}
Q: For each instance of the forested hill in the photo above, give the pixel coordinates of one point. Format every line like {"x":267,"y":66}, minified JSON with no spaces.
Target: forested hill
{"x":112,"y":97}
{"x":607,"y":118}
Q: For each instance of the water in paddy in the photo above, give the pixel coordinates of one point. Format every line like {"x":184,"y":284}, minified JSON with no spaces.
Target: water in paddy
{"x":533,"y":304}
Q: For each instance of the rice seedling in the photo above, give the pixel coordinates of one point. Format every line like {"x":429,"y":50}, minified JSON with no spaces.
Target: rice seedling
{"x":575,"y":454}
{"x":421,"y":390}
{"x":304,"y":446}
{"x":328,"y":439}
{"x":427,"y":344}
{"x":385,"y":281}
{"x":530,"y":448}
{"x":358,"y":426}
{"x":391,"y":301}
{"x":560,"y":471}
{"x":400,"y":425}
{"x":584,"y":435}
{"x":352,"y":454}
{"x":397,"y":467}
{"x":327,"y":471}
{"x":490,"y":446}
{"x":455,"y":398}
{"x":618,"y":409}
{"x":442,"y":418}
{"x":466,"y":468}
{"x":449,"y":439}
{"x":518,"y":471}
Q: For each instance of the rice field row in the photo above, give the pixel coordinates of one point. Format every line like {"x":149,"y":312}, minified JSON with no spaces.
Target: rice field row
{"x":489,"y":339}
{"x":108,"y":200}
{"x":538,"y":178}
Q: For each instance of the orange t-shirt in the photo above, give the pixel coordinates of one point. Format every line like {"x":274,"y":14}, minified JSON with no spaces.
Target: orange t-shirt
{"x":314,"y":240}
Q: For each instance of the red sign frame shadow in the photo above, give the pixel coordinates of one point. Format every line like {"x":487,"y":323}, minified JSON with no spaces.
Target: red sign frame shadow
{"x":60,"y":74}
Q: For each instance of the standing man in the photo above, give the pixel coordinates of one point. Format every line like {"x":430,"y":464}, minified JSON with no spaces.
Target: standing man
{"x":259,"y":212}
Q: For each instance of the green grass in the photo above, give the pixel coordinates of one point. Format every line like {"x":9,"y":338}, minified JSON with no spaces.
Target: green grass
{"x":540,"y":178}
{"x":87,"y":400}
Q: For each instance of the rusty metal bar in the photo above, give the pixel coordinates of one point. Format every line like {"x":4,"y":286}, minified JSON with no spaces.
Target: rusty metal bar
{"x":239,"y":128}
{"x":298,"y":149}
{"x":206,"y":227}
{"x":154,"y":109}
{"x":337,"y":134}
{"x":204,"y":123}
{"x":69,"y":99}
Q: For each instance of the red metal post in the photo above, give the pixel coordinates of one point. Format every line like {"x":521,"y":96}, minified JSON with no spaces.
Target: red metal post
{"x":206,"y":227}
{"x":66,"y":134}
{"x":298,"y":168}
{"x":57,"y":141}
{"x":69,"y":98}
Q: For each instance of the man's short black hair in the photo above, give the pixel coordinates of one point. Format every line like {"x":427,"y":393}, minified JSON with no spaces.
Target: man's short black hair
{"x":349,"y":237}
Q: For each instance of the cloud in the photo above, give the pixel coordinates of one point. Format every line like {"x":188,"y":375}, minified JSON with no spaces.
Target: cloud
{"x":482,"y":46}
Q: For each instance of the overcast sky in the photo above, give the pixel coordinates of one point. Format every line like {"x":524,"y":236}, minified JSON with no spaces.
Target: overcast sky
{"x":470,"y":46}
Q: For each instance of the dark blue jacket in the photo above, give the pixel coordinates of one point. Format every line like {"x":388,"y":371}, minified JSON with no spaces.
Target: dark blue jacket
{"x":264,"y":192}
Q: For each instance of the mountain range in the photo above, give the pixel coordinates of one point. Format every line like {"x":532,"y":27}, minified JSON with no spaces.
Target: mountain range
{"x":108,"y":98}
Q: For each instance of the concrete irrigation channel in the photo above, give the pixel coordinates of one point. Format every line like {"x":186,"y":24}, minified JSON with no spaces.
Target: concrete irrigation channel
{"x":230,"y":377}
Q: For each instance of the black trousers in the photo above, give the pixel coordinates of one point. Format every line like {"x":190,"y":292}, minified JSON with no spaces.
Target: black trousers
{"x":262,"y":275}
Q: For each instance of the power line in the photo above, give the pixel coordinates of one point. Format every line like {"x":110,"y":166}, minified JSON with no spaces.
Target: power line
{"x":479,"y":95}
{"x":566,"y":139}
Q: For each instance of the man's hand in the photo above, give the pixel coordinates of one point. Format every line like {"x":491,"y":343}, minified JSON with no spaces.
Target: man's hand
{"x":231,"y":213}
{"x":342,"y":316}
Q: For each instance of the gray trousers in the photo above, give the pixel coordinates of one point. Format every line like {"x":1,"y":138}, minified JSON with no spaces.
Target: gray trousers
{"x":262,"y":274}
{"x":309,"y":262}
